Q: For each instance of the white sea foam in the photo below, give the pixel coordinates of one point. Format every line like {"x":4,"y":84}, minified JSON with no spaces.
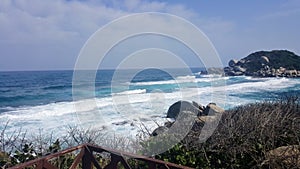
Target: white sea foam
{"x":211,"y":75}
{"x":186,"y":78}
{"x":128,"y":92}
{"x":182,"y":79}
{"x":265,"y":84}
{"x":198,"y":73}
{"x":134,"y":106}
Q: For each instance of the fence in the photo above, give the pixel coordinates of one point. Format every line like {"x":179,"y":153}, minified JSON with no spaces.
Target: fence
{"x":86,"y":159}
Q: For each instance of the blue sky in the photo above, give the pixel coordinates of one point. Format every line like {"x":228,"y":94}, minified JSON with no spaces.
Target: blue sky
{"x":49,"y":34}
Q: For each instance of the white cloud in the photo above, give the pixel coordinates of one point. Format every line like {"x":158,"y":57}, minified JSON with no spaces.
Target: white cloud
{"x":57,"y":19}
{"x":68,"y":24}
{"x":52,"y":19}
{"x":29,"y":27}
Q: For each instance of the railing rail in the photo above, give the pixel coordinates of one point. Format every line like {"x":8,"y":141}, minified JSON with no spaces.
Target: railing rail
{"x":88,"y":161}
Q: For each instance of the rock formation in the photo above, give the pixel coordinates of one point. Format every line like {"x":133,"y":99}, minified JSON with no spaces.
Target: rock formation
{"x":212,"y":109}
{"x":180,"y":106}
{"x":277,"y":63}
{"x":203,"y":114}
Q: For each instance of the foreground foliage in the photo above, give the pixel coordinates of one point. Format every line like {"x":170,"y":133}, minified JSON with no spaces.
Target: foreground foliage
{"x":244,"y":138}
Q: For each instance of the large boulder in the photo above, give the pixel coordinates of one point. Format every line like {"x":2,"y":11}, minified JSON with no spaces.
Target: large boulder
{"x":180,"y":106}
{"x":198,"y":105}
{"x":227,"y":69}
{"x":239,"y":69}
{"x":285,"y":155}
{"x":232,"y":62}
{"x":213,"y":109}
{"x":265,"y":59}
{"x":291,"y":73}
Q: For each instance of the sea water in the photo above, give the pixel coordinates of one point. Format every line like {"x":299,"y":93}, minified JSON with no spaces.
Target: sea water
{"x":44,"y":100}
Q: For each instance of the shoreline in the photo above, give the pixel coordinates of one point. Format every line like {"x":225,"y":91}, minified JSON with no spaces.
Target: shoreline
{"x":259,"y":114}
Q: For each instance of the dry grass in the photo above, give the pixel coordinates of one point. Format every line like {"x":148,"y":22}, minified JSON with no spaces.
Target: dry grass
{"x":246,"y":135}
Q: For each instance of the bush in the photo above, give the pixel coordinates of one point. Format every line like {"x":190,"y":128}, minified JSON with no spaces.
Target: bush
{"x":17,"y":147}
{"x":243,"y":137}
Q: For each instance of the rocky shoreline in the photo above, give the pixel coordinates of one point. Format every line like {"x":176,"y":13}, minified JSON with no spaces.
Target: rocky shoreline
{"x":277,"y":63}
{"x":236,"y":68}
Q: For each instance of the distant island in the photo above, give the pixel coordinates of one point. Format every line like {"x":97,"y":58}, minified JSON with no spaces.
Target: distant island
{"x":275,"y":63}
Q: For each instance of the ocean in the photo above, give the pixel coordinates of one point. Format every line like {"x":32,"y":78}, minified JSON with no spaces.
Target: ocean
{"x":43,"y":100}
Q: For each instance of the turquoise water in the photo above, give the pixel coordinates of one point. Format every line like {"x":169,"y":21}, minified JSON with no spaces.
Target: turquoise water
{"x":44,"y":100}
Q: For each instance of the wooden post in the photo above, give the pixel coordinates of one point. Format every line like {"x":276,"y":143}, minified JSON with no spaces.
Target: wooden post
{"x":86,"y":160}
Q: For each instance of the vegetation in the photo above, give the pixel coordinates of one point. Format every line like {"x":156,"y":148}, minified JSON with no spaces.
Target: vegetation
{"x":244,"y":138}
{"x":277,"y":59}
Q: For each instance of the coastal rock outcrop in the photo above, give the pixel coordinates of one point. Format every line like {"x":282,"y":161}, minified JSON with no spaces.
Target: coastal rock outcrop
{"x":180,"y":106}
{"x":233,"y":62}
{"x":276,"y":63}
{"x":204,"y":114}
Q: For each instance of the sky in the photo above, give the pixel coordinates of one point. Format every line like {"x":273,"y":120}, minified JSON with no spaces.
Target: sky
{"x":49,"y":34}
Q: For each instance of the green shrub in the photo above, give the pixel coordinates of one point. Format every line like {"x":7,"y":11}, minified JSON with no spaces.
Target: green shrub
{"x":243,"y":137}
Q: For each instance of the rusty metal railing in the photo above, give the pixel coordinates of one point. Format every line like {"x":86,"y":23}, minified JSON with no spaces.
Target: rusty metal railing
{"x":86,"y":159}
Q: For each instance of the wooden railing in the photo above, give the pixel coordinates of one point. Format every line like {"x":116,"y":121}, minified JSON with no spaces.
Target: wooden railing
{"x":86,"y":159}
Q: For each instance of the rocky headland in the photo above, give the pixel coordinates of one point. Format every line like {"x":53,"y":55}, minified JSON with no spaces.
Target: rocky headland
{"x":276,"y":63}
